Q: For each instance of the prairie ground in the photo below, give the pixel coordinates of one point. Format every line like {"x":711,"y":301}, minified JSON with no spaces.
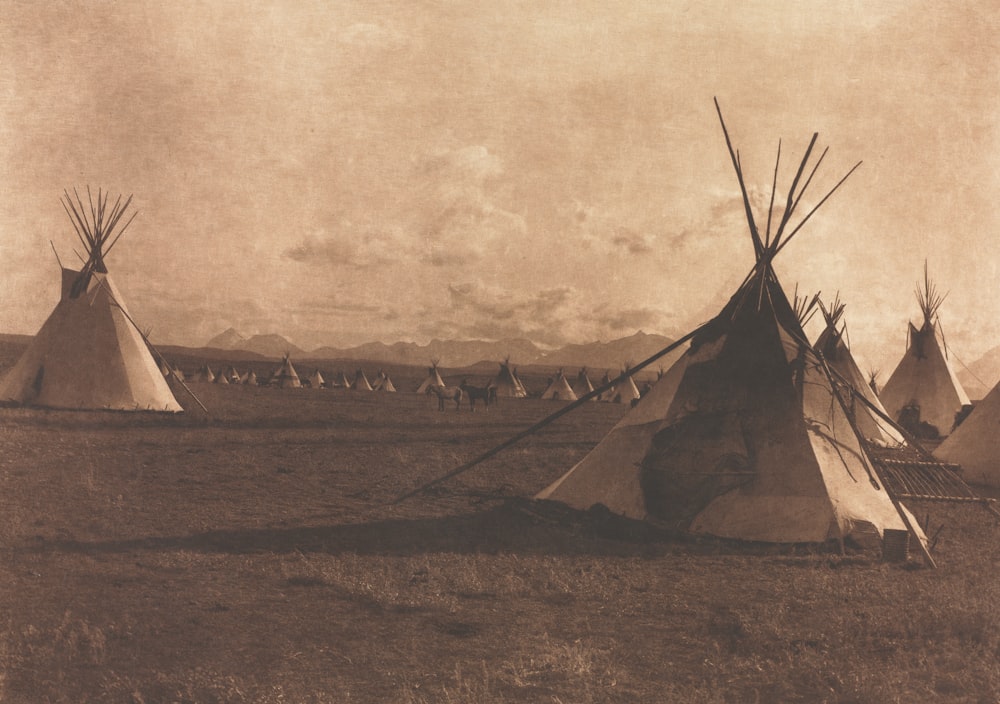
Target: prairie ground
{"x":256,"y":555}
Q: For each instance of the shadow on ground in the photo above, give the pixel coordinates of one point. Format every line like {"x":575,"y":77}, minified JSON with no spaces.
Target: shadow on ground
{"x":517,"y":526}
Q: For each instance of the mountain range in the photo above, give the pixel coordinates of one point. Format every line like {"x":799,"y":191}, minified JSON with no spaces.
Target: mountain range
{"x":613,"y":354}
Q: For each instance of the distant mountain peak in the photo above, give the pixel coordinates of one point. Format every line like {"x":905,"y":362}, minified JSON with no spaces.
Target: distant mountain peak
{"x":268,"y":345}
{"x":230,"y":339}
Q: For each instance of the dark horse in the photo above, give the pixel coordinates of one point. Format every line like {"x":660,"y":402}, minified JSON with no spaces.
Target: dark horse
{"x":487,"y":394}
{"x":446,"y":393}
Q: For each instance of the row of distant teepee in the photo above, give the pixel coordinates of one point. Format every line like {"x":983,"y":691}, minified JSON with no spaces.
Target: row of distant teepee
{"x":559,"y":388}
{"x":285,"y":376}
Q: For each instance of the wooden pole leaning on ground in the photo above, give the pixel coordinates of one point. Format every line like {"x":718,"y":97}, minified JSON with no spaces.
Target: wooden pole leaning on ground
{"x":548,"y":419}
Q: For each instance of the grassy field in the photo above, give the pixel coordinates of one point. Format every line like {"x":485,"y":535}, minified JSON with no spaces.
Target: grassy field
{"x":255,"y":555}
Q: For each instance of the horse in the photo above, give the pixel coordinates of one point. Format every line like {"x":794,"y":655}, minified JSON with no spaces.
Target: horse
{"x":487,"y":394}
{"x":446,"y":393}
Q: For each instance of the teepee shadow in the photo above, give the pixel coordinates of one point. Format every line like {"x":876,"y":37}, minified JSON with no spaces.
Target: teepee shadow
{"x":517,"y":526}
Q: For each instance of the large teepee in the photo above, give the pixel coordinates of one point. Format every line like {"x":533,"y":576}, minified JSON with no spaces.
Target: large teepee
{"x":89,"y":354}
{"x":923,"y":394}
{"x":832,"y":345}
{"x":746,"y":436}
{"x":433,"y":378}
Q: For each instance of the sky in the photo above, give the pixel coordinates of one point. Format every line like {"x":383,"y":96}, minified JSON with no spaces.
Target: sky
{"x":344,"y":172}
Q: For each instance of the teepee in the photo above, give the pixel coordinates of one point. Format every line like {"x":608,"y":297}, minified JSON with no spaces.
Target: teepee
{"x":361,"y":382}
{"x":923,"y":394}
{"x":316,"y":379}
{"x":832,"y":345}
{"x":204,"y":375}
{"x":582,"y":385}
{"x":222,"y":377}
{"x":383,"y":383}
{"x":170,"y":372}
{"x":746,"y":436}
{"x":285,"y":375}
{"x":89,"y":354}
{"x":559,"y":389}
{"x":507,"y":383}
{"x":341,"y":381}
{"x":249,"y":379}
{"x":608,"y":394}
{"x":626,"y":391}
{"x":433,"y":378}
{"x":975,"y":444}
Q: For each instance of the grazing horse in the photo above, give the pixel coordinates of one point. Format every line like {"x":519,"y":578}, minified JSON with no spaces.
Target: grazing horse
{"x":446,"y":393}
{"x":487,"y":394}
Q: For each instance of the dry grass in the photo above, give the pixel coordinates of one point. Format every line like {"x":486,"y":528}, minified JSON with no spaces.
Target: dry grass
{"x":255,"y":556}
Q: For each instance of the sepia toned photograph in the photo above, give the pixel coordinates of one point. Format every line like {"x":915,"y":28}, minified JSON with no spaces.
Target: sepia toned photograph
{"x":484,"y":352}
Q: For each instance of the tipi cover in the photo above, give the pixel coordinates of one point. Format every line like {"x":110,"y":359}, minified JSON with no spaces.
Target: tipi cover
{"x":342,"y":381}
{"x":89,"y":354}
{"x":745,"y":436}
{"x":559,"y":389}
{"x":433,"y":378}
{"x":924,"y":389}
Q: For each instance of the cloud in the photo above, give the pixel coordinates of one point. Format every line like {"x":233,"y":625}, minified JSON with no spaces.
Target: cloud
{"x":356,"y":250}
{"x":629,"y":319}
{"x":631,"y":241}
{"x":459,"y":219}
{"x":607,"y":230}
{"x":553,"y":316}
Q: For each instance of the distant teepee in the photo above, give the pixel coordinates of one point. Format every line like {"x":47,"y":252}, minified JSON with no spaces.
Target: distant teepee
{"x":832,"y":345}
{"x":507,"y":383}
{"x":383,"y":383}
{"x":89,"y":354}
{"x":285,"y":375}
{"x":559,"y":389}
{"x":204,"y":375}
{"x":433,"y":378}
{"x":923,"y":394}
{"x":582,"y":385}
{"x":361,"y":382}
